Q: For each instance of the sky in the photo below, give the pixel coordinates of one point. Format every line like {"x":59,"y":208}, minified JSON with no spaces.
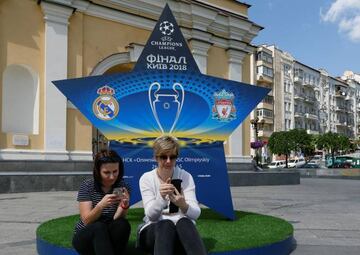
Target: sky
{"x":318,"y":33}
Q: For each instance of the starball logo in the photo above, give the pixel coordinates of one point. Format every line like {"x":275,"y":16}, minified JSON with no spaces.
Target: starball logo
{"x":166,"y":28}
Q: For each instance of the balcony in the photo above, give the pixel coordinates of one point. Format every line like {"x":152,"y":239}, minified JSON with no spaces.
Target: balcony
{"x":298,"y":80}
{"x":340,"y":109}
{"x":340,"y":124}
{"x":311,"y":116}
{"x":308,"y":84}
{"x":263,"y":105}
{"x":262,"y":62}
{"x":310,"y":99}
{"x":340,"y":94}
{"x":299,"y":115}
{"x":299,"y":97}
{"x":263,"y":78}
{"x":264,"y":133}
{"x":266,"y":120}
{"x":312,"y":132}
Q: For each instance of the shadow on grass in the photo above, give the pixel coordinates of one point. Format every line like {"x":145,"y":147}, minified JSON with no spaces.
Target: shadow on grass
{"x":207,"y":214}
{"x":209,"y":243}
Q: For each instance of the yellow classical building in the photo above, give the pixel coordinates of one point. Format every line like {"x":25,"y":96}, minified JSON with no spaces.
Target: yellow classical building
{"x":42,"y":41}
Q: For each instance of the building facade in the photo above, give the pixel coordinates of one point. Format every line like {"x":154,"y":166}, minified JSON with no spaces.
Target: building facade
{"x":303,"y":97}
{"x":42,"y":41}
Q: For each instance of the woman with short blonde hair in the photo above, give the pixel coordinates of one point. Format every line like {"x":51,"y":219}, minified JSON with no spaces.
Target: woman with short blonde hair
{"x":170,"y":212}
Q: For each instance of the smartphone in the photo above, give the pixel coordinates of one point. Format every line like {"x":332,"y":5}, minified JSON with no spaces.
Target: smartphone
{"x":120,"y":191}
{"x":177,"y":184}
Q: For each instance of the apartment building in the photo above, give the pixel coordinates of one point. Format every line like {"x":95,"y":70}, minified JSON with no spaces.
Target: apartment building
{"x":303,"y":97}
{"x":353,"y":80}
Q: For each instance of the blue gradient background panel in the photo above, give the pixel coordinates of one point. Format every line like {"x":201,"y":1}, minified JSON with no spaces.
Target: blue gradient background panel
{"x":200,"y":110}
{"x":136,"y":120}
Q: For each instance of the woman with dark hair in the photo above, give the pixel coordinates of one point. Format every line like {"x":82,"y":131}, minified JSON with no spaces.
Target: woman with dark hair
{"x":103,"y":204}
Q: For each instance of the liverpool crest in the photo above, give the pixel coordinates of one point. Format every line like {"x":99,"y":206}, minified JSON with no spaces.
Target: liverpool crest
{"x":105,"y":106}
{"x":224,"y":108}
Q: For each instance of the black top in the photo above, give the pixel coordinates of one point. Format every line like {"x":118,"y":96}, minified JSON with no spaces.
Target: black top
{"x":89,"y":191}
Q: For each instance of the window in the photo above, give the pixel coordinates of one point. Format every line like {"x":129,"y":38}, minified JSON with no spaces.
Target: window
{"x":264,"y":57}
{"x":299,"y":73}
{"x":265,"y":113}
{"x":268,"y":99}
{"x":287,"y":70}
{"x":20,"y":83}
{"x":265,"y":70}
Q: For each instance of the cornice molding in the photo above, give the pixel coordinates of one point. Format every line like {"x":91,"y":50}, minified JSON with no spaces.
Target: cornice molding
{"x":56,"y":13}
{"x":195,"y":19}
{"x":235,"y":56}
{"x":199,"y":47}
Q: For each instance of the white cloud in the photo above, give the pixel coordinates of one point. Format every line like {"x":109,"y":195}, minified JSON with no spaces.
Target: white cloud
{"x":346,"y":13}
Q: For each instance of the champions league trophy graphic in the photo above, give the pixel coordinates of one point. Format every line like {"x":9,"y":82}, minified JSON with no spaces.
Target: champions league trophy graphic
{"x":166,"y":107}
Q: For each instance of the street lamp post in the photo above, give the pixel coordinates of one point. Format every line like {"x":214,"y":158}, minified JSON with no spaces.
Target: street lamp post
{"x":256,"y":124}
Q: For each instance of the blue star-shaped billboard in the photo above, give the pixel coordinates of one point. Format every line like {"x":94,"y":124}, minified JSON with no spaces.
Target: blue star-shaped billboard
{"x":167,"y":94}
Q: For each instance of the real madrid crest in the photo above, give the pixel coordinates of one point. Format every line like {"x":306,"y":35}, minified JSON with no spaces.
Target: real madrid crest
{"x":224,"y":108}
{"x":105,"y":106}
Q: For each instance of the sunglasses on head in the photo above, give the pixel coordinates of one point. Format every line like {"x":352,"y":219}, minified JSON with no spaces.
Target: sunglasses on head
{"x":165,"y":157}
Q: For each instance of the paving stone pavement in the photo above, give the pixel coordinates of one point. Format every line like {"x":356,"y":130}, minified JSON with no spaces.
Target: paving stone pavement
{"x":324,"y":213}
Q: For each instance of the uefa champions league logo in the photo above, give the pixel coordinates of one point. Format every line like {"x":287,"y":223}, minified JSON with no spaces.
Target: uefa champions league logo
{"x":166,"y":107}
{"x":166,"y":28}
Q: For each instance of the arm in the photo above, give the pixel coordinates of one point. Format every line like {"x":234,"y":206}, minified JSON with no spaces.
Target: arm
{"x":123,"y":206}
{"x":153,"y":206}
{"x":186,"y":200}
{"x":88,"y":214}
{"x":193,"y":211}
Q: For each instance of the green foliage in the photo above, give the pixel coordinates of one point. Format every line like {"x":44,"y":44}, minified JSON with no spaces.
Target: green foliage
{"x":333,"y":143}
{"x":302,"y":141}
{"x":280,"y":143}
{"x":283,"y":142}
{"x":219,"y":234}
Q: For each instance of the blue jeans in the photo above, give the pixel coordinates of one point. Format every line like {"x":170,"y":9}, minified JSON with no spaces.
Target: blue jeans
{"x":166,"y":238}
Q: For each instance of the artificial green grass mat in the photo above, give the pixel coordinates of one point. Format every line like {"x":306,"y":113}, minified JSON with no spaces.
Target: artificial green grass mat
{"x":219,"y":234}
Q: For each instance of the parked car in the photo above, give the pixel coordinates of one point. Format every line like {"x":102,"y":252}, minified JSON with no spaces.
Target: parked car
{"x":317,"y":159}
{"x":310,"y":165}
{"x":277,"y":164}
{"x":299,"y":162}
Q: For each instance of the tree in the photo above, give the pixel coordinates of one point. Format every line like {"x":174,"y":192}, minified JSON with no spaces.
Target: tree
{"x":333,"y":142}
{"x":302,"y":141}
{"x":280,"y":143}
{"x":344,"y":143}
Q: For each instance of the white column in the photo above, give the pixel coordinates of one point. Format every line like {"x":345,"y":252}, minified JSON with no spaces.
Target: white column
{"x":235,"y":58}
{"x":56,"y":45}
{"x":199,"y":50}
{"x":253,"y":112}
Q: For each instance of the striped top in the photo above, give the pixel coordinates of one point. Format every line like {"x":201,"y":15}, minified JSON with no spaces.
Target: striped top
{"x":89,"y":191}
